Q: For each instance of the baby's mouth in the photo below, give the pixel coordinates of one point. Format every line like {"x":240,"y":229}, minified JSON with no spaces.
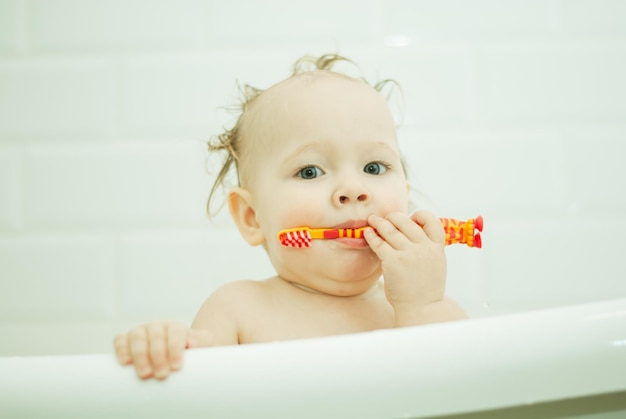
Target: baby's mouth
{"x":352,"y":242}
{"x":352,"y":224}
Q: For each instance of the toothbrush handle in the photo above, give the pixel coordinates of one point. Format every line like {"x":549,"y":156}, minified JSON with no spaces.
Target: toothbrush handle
{"x":457,"y":231}
{"x":464,"y":232}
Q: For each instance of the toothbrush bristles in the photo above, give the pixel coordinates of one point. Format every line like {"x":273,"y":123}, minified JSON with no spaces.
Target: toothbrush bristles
{"x":299,"y":239}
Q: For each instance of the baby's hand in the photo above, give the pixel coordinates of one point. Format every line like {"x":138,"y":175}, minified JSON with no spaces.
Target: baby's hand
{"x":156,"y":349}
{"x":411,"y":250}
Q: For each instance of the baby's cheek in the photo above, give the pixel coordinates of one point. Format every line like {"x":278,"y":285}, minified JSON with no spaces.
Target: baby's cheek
{"x":392,"y":196}
{"x":307,"y":213}
{"x":396,"y":205}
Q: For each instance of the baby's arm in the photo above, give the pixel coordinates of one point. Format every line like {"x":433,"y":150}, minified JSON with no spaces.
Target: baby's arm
{"x":411,"y":250}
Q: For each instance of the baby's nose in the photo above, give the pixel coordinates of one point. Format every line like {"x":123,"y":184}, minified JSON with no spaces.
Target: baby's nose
{"x":351,"y":191}
{"x":345,"y":199}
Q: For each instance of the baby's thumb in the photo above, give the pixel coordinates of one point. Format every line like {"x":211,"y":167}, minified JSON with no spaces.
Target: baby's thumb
{"x":199,"y":338}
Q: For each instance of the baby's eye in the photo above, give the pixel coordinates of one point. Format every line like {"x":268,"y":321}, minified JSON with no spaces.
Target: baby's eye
{"x":310,"y":172}
{"x":375,"y":168}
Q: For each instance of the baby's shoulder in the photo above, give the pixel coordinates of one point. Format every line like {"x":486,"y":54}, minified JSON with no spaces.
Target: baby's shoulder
{"x":241,"y":292}
{"x":232,"y":301}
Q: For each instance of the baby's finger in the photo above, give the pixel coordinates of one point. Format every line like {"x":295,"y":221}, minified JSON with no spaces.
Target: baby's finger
{"x":407,"y":226}
{"x":431,"y":225}
{"x":122,"y":351}
{"x":388,"y":232}
{"x":176,"y":342}
{"x":139,"y":351}
{"x":199,"y":338}
{"x":158,"y":350}
{"x":379,"y":246}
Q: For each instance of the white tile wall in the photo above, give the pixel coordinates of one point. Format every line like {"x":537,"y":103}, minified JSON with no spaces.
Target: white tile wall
{"x":248,"y":24}
{"x":122,"y":186}
{"x":517,"y":173}
{"x":477,"y":19}
{"x":595,"y":171}
{"x":544,"y":83}
{"x":117,"y":25}
{"x":513,"y":109}
{"x":57,"y":276}
{"x":56,"y":98}
{"x":9,"y":189}
{"x":8,"y":26}
{"x":434,"y":81}
{"x":563,"y":261}
{"x":593,"y":19}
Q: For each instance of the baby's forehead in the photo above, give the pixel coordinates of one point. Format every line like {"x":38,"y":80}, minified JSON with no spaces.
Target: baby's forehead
{"x":306,"y":82}
{"x":305,"y":95}
{"x":283,"y":98}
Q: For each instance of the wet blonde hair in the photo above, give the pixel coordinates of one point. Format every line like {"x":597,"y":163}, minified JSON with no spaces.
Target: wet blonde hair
{"x":231,"y":142}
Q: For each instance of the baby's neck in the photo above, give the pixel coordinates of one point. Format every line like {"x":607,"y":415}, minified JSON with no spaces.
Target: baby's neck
{"x":371,"y":290}
{"x":304,"y":288}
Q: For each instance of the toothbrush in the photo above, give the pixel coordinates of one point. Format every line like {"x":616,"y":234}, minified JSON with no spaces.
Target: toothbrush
{"x":457,"y":231}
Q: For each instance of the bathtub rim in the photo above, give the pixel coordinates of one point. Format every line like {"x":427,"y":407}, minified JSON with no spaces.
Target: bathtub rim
{"x":504,"y":374}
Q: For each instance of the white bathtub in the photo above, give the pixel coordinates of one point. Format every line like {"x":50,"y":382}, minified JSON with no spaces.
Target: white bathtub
{"x":552,"y":363}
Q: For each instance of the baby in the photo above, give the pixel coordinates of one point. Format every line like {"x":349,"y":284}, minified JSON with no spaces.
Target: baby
{"x":318,"y":149}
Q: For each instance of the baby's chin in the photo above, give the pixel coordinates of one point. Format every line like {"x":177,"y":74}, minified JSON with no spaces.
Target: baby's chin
{"x":342,"y":254}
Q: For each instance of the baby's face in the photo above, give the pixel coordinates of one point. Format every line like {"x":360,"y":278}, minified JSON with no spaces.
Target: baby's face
{"x":327,"y":157}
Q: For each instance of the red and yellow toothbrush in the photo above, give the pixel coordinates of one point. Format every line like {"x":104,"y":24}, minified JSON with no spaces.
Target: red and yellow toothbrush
{"x":457,"y":231}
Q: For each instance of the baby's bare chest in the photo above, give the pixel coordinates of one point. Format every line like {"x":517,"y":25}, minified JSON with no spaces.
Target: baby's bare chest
{"x":308,"y":318}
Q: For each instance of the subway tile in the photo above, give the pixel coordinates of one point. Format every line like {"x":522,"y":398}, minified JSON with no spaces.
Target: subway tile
{"x":289,"y":22}
{"x":9,"y":25}
{"x":466,"y":280}
{"x":595,"y":170}
{"x":9,"y":189}
{"x":593,"y":18}
{"x":171,"y":274}
{"x":185,"y":94}
{"x":56,"y":276}
{"x":117,"y":186}
{"x":61,"y":337}
{"x":433,"y":80}
{"x":92,"y":25}
{"x":59,"y":98}
{"x":554,"y":262}
{"x":557,"y":83}
{"x":172,"y":95}
{"x":510,"y":174}
{"x":457,"y":19}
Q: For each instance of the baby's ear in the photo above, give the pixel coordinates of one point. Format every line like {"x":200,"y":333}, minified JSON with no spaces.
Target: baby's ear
{"x":243,"y":213}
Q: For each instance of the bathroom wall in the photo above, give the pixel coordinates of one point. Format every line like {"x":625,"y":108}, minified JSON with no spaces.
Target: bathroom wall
{"x":513,"y":109}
